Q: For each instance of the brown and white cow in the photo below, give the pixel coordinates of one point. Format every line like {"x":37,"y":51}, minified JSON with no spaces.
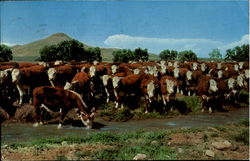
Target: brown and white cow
{"x":150,"y":88}
{"x":28,"y":78}
{"x":168,"y":86}
{"x":58,"y":76}
{"x":56,"y":99}
{"x":124,"y":86}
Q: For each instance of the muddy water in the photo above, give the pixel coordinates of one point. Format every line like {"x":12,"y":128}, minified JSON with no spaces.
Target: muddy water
{"x":20,"y":132}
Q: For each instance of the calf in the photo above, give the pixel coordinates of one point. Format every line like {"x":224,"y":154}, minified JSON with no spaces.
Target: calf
{"x":56,"y":99}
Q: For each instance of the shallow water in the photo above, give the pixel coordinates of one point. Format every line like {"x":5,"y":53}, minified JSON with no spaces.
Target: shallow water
{"x":21,"y":132}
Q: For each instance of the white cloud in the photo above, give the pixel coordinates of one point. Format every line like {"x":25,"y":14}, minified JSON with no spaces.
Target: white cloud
{"x":8,"y":44}
{"x":156,"y":45}
{"x":244,"y":40}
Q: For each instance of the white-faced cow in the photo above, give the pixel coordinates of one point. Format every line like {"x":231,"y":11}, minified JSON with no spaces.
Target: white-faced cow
{"x":56,"y":99}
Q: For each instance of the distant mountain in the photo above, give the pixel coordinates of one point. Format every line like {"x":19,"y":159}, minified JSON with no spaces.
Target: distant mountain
{"x":30,"y":51}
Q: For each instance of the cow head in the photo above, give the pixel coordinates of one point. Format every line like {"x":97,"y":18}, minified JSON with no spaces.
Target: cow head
{"x":162,"y":62}
{"x":92,"y":71}
{"x":203,"y":67}
{"x":87,"y":119}
{"x":241,"y":65}
{"x":240,"y":80}
{"x":52,"y":73}
{"x":176,"y":72}
{"x":114,"y":69}
{"x":95,"y":62}
{"x":189,"y":75}
{"x":219,"y":74}
{"x":213,"y":85}
{"x":163,"y":69}
{"x":170,"y":84}
{"x":176,"y":64}
{"x":3,"y":76}
{"x":16,"y":75}
{"x":105,"y":79}
{"x":115,"y":81}
{"x":136,"y":71}
{"x":231,"y":83}
{"x":195,"y":66}
{"x":170,"y":64}
{"x":151,"y":90}
{"x":219,"y":66}
{"x":58,"y":62}
{"x":246,"y":72}
{"x":236,"y":67}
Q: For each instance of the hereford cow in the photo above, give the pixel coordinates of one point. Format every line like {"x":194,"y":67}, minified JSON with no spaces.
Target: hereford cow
{"x":150,"y":89}
{"x":58,"y":76}
{"x":207,"y":89}
{"x":81,"y":84}
{"x":124,"y":86}
{"x":28,"y":78}
{"x":168,"y":89}
{"x":55,"y":100}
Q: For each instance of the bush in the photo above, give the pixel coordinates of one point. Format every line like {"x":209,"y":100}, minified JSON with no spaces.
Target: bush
{"x":168,"y":55}
{"x":187,"y":55}
{"x":5,"y":53}
{"x":242,"y":136}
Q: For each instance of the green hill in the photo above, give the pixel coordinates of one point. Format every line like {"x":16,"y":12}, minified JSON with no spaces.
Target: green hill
{"x":30,"y":52}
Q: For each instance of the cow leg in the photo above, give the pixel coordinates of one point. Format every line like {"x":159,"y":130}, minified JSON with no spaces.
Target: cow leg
{"x":106,"y":90}
{"x":37,"y":115}
{"x":21,"y":93}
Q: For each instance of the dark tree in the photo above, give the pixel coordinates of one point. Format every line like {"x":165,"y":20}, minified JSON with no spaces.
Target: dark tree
{"x":187,"y":55}
{"x":239,"y":53}
{"x":168,"y":55}
{"x":141,"y":54}
{"x":123,"y":55}
{"x":5,"y":53}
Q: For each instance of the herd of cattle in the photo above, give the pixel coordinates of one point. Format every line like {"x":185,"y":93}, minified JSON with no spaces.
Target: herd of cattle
{"x":61,"y":86}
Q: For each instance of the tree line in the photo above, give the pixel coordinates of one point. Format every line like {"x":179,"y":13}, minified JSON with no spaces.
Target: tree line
{"x":75,"y":50}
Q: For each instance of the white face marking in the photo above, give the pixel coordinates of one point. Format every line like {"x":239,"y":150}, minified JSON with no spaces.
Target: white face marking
{"x":95,"y":62}
{"x":136,"y":71}
{"x":162,"y":62}
{"x":58,"y":62}
{"x":176,"y":64}
{"x":241,"y":65}
{"x":213,"y":85}
{"x":176,"y":72}
{"x":219,"y":66}
{"x":52,"y":73}
{"x":150,"y":89}
{"x":113,"y":69}
{"x":231,"y":83}
{"x":163,"y":69}
{"x":92,"y":71}
{"x":67,"y":86}
{"x":3,"y":75}
{"x":220,"y":74}
{"x":16,"y":75}
{"x":247,"y":73}
{"x":105,"y":79}
{"x":189,"y":75}
{"x":195,"y":66}
{"x":170,"y":64}
{"x":203,"y":67}
{"x":240,"y":79}
{"x":115,"y":81}
{"x":170,"y":86}
{"x":236,"y":67}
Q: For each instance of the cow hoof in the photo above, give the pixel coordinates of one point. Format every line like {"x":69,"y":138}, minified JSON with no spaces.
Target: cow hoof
{"x":41,"y":123}
{"x":59,"y":126}
{"x":210,"y":110}
{"x":35,"y":125}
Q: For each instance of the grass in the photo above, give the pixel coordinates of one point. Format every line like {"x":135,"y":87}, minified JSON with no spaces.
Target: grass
{"x":126,"y":145}
{"x":192,"y":102}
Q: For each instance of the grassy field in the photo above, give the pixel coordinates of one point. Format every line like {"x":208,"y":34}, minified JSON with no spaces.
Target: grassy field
{"x":178,"y":144}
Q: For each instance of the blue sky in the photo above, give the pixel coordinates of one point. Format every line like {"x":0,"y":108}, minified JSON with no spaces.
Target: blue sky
{"x":156,"y":25}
